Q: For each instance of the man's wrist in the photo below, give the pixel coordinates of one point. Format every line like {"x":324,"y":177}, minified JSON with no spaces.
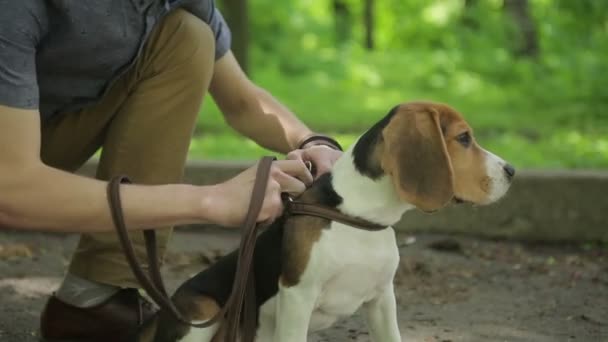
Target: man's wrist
{"x":205,"y":199}
{"x":319,"y":139}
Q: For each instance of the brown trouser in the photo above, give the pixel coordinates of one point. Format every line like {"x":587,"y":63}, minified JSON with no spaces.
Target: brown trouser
{"x":144,"y":124}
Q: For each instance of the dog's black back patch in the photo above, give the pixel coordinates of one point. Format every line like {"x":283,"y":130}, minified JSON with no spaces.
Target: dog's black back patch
{"x":363,"y":150}
{"x":216,"y":281}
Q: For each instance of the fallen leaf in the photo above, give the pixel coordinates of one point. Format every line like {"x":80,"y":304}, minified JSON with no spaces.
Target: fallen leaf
{"x":16,"y":251}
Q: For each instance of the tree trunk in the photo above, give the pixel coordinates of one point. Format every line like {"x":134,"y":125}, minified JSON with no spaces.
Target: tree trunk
{"x":468,"y":14}
{"x":527,"y":39}
{"x":368,"y":20}
{"x":342,"y":20}
{"x":236,"y":14}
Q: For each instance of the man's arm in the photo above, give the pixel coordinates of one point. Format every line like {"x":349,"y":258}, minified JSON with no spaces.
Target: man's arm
{"x":252,"y":111}
{"x":36,"y":196}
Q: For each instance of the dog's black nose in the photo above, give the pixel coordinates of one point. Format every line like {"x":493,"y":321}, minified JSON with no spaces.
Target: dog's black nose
{"x":509,"y":170}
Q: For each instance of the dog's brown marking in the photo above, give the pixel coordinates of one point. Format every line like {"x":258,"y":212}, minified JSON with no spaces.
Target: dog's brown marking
{"x":194,"y":307}
{"x":471,"y":181}
{"x":148,"y":330}
{"x":197,"y":307}
{"x":416,"y":157}
{"x":300,"y":233}
{"x":429,"y":166}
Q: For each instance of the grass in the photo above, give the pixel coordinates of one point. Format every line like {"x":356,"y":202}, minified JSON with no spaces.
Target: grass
{"x":530,"y":121}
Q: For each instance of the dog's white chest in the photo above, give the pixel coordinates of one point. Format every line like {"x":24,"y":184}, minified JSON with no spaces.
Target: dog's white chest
{"x":353,"y":266}
{"x":349,"y":267}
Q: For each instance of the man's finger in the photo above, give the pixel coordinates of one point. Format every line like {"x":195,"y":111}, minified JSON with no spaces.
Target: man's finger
{"x":289,"y":184}
{"x":295,"y":168}
{"x":295,"y":155}
{"x":322,"y":168}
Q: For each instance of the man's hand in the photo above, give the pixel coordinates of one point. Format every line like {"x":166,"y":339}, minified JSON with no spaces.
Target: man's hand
{"x":230,"y":199}
{"x":322,"y":157}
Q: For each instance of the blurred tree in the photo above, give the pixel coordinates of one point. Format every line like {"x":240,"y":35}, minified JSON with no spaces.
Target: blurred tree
{"x":526,"y":37}
{"x":236,"y":13}
{"x":469,"y":18}
{"x":368,"y":23}
{"x":342,"y":20}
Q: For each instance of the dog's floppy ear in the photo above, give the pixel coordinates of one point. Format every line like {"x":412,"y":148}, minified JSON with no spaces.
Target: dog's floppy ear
{"x":415,"y":156}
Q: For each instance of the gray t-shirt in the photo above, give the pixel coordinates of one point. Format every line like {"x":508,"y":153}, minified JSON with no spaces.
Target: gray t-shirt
{"x":61,"y":55}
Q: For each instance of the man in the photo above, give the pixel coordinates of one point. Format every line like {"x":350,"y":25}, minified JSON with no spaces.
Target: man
{"x":128,"y":76}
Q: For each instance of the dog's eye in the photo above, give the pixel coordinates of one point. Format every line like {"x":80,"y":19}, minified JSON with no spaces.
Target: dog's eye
{"x":464,"y":139}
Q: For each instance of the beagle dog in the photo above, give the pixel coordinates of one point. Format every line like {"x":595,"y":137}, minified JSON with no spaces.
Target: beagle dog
{"x":310,"y":271}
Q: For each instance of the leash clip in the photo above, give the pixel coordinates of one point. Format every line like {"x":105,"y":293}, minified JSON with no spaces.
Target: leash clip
{"x":287,"y":201}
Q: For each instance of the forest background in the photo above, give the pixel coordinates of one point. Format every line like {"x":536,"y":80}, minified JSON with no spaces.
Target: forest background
{"x":530,"y":76}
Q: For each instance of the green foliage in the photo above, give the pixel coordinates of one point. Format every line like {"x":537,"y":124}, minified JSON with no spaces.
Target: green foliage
{"x":549,"y":111}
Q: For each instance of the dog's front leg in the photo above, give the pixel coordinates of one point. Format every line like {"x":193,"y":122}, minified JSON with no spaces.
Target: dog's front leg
{"x":294,"y":308}
{"x":381,"y":314}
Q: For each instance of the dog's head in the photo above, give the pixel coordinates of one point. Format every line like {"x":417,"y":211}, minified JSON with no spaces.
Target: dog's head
{"x":430,"y":154}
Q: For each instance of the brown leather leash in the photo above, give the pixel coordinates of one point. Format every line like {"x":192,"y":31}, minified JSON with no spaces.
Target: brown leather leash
{"x":242,"y":297}
{"x":295,"y":207}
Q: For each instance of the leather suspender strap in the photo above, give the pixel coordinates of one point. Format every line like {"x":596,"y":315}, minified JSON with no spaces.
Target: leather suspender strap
{"x":242,"y":296}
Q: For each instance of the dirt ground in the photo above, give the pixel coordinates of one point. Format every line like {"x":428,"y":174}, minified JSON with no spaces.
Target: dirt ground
{"x":448,"y":288}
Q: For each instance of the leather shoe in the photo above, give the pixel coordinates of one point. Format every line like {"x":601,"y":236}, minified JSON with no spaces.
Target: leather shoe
{"x":117,"y":319}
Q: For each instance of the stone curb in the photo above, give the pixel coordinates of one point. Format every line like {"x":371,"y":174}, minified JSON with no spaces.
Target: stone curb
{"x":542,"y":205}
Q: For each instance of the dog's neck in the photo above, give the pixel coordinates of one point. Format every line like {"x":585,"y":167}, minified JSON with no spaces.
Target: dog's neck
{"x":374,"y":200}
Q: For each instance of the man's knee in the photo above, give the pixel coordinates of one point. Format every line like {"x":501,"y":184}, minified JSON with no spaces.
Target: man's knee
{"x":191,"y":41}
